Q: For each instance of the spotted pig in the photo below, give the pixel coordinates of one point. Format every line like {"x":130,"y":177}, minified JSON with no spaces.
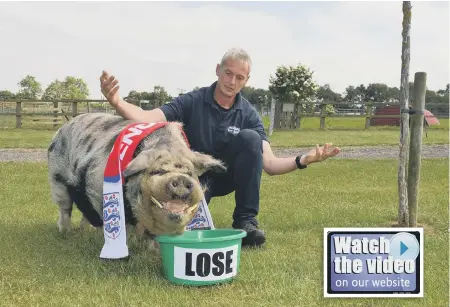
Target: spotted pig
{"x":161,"y":188}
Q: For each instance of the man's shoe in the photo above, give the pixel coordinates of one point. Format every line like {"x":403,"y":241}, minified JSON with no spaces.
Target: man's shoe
{"x":255,"y":236}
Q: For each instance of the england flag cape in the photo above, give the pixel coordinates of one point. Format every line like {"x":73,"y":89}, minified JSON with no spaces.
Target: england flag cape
{"x":115,"y":246}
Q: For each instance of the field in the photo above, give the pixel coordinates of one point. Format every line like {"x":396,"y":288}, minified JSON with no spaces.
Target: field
{"x":40,"y":267}
{"x":340,"y":131}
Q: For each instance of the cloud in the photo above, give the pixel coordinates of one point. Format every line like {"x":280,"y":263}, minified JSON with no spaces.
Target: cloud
{"x":177,"y":46}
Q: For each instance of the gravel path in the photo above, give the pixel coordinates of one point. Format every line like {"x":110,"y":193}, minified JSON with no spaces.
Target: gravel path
{"x":357,"y":152}
{"x":372,"y":152}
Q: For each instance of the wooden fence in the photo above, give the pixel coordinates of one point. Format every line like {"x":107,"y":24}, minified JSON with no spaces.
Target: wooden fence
{"x":52,"y":114}
{"x":291,"y":119}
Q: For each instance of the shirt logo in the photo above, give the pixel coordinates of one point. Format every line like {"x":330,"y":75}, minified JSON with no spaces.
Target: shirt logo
{"x":233,"y":130}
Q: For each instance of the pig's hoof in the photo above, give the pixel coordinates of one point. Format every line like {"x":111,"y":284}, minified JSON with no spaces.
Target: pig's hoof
{"x":84,"y":224}
{"x":153,"y":246}
{"x":64,"y":223}
{"x":140,"y":230}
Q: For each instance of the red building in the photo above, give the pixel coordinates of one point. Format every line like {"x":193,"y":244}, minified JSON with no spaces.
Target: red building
{"x":429,"y":118}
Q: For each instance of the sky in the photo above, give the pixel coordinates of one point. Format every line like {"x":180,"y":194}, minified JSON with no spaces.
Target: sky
{"x":178,"y":44}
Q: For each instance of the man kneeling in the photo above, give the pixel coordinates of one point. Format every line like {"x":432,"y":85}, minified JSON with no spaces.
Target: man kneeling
{"x":220,"y":122}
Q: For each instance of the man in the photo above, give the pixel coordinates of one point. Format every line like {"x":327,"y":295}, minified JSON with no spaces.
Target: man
{"x":220,"y":122}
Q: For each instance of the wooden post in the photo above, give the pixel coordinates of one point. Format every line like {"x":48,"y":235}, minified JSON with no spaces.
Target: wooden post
{"x":278,"y":114}
{"x":415,"y":150}
{"x":55,"y":114}
{"x":368,"y":115}
{"x":299,"y":115}
{"x":74,"y":109}
{"x":89,"y":107}
{"x":18,"y":114}
{"x":323,"y":111}
{"x":403,"y":213}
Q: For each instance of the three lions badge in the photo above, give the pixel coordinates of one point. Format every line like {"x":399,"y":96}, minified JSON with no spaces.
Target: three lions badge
{"x":111,"y":215}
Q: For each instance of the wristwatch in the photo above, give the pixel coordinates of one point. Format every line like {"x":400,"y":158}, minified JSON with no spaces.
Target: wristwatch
{"x":299,"y":165}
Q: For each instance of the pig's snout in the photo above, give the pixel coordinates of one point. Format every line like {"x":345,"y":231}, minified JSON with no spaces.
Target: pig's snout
{"x":180,"y":186}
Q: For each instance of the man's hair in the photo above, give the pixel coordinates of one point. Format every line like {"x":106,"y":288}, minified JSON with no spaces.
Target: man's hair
{"x":236,"y":54}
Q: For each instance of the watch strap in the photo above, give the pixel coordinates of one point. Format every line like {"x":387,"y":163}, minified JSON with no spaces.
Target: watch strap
{"x":299,"y":165}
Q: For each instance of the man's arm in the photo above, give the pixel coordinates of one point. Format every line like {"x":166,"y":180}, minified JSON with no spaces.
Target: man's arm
{"x":173,"y":111}
{"x":278,"y":166}
{"x":130,"y":111}
{"x":271,"y":164}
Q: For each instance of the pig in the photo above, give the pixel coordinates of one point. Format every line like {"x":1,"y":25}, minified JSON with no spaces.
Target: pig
{"x":161,"y":190}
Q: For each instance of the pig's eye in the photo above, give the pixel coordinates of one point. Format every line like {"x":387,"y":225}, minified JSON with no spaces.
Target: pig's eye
{"x":157,"y":172}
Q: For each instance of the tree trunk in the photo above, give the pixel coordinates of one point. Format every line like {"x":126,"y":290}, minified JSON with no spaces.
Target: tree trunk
{"x":403,"y":215}
{"x":272,"y":116}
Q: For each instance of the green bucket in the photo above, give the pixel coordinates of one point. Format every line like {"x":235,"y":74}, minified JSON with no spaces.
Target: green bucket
{"x":201,"y":257}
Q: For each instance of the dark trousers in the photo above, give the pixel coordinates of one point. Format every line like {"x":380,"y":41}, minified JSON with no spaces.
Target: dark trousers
{"x":243,"y":158}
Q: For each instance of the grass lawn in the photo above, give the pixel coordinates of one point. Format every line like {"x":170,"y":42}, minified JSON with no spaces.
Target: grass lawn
{"x":40,"y":267}
{"x":340,"y":132}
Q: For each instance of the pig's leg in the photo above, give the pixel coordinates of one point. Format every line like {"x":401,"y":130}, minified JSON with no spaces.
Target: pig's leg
{"x":84,"y":223}
{"x":141,"y":232}
{"x":61,"y":197}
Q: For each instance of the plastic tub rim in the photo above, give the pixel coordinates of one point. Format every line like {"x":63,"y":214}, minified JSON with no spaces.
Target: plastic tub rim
{"x":180,"y":239}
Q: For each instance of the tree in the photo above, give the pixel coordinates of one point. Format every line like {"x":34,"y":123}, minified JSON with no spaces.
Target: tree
{"x":181,"y":91}
{"x":377,"y":92}
{"x":7,"y":95}
{"x":393,"y":94}
{"x":30,"y":88}
{"x":439,"y":104}
{"x":292,"y":84}
{"x":134,"y":95}
{"x":326,"y":94}
{"x":355,"y":95}
{"x":444,"y":91}
{"x":258,"y":97}
{"x":160,"y":95}
{"x":70,"y":88}
{"x":146,"y":96}
{"x":76,"y":88}
{"x":54,"y":91}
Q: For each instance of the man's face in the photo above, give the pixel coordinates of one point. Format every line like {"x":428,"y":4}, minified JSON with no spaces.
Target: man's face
{"x":232,"y":77}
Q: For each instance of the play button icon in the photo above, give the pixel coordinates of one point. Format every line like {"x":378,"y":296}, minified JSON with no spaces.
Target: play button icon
{"x":404,"y":246}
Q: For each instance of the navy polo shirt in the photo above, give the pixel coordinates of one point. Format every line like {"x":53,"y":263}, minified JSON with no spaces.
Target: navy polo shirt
{"x":209,"y":127}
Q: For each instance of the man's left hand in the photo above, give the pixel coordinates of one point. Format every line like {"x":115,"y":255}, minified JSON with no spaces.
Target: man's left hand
{"x":320,"y":154}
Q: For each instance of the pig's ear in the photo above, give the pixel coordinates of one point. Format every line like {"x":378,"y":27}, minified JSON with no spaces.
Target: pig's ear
{"x":204,"y":163}
{"x":138,"y":164}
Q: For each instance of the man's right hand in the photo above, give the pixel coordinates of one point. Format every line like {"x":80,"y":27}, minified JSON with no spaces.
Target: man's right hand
{"x":110,"y":87}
